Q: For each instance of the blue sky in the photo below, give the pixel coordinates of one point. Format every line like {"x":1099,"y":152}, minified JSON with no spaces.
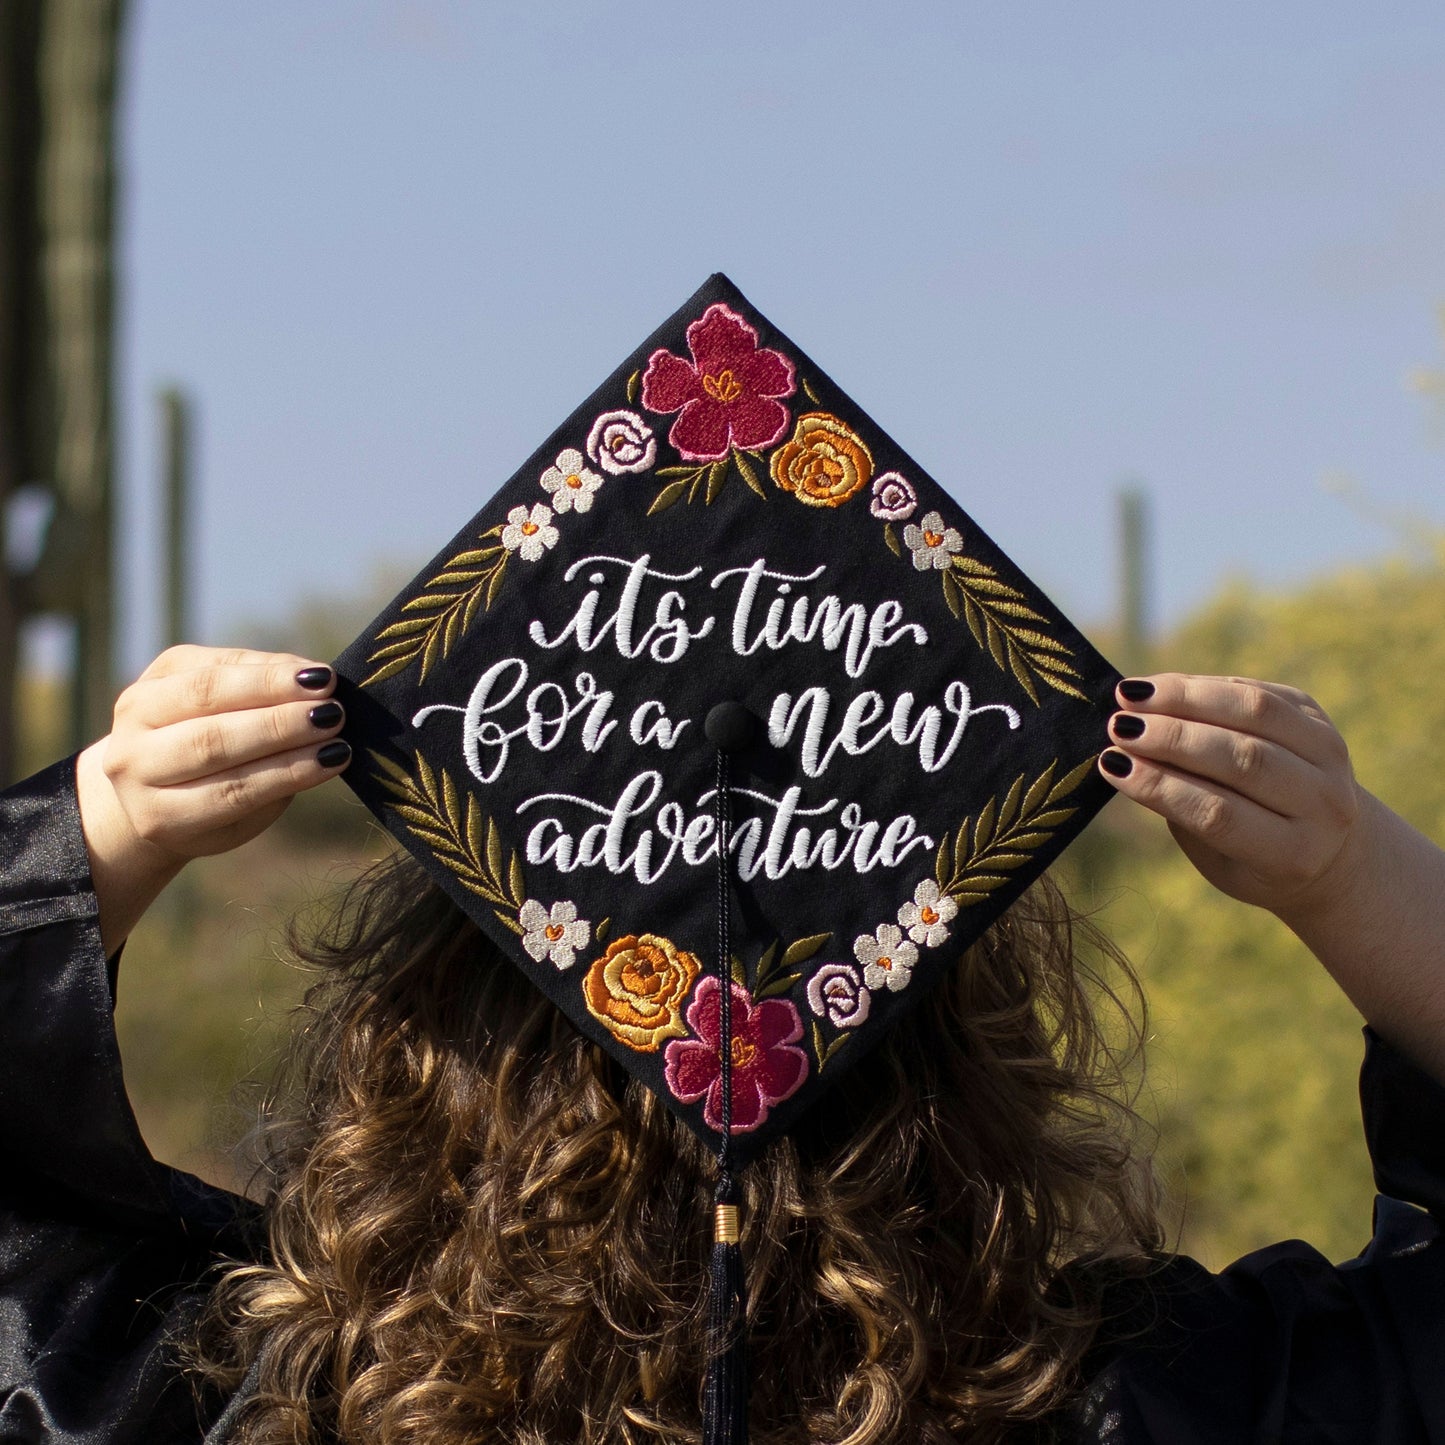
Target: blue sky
{"x":389,"y":245}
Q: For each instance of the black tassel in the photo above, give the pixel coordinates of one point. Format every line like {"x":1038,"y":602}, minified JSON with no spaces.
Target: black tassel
{"x":725,"y":1394}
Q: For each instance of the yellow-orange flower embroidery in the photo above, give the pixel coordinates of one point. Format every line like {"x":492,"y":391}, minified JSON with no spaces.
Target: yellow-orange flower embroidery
{"x":637,"y":988}
{"x":823,"y":463}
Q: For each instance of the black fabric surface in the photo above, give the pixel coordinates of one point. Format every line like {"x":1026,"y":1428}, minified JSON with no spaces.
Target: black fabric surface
{"x":942,"y":764}
{"x":103,"y":1252}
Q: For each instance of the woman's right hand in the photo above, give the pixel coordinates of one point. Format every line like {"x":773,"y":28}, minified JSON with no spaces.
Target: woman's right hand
{"x":207,"y":749}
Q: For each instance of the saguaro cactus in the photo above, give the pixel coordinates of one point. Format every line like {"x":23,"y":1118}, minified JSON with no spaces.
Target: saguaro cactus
{"x":78,"y":73}
{"x":19,"y":322}
{"x":176,"y":452}
{"x":1134,"y":579}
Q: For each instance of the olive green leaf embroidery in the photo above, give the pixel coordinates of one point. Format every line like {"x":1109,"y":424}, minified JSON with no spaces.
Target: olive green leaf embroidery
{"x":1004,"y":836}
{"x":1003,"y":624}
{"x":1000,"y":621}
{"x":708,"y":479}
{"x":778,"y":974}
{"x":460,"y":835}
{"x":825,"y":1052}
{"x":441,"y":612}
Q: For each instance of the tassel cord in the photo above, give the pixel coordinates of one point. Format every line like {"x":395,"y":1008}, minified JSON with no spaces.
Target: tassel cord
{"x":725,"y":1392}
{"x":722,"y":818}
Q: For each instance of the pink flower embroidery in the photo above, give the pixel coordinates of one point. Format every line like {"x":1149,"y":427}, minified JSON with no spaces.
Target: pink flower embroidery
{"x":726,"y":395}
{"x":893,"y":497}
{"x":766,"y":1069}
{"x":620,"y":441}
{"x":836,"y":993}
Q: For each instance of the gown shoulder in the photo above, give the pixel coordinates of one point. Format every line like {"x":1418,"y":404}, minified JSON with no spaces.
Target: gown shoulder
{"x":1283,"y":1345}
{"x":104,"y":1252}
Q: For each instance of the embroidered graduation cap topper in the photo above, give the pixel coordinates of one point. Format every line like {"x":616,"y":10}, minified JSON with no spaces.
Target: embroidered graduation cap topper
{"x":721,"y":601}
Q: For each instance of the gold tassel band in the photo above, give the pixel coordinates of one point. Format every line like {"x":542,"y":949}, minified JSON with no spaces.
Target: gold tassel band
{"x":725,"y":1224}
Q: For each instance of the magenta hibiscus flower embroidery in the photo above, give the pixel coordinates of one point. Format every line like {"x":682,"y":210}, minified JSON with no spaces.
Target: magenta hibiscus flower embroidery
{"x":727,"y":395}
{"x":766,"y":1068}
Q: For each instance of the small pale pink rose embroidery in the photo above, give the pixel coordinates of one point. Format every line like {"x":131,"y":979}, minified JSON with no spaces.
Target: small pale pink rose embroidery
{"x":621,"y":442}
{"x":934,"y":543}
{"x":927,"y":917}
{"x":529,"y":533}
{"x":766,"y":1067}
{"x":727,"y":395}
{"x":836,"y":993}
{"x":887,"y":957}
{"x":893,"y":498}
{"x":571,"y":482}
{"x":554,"y":934}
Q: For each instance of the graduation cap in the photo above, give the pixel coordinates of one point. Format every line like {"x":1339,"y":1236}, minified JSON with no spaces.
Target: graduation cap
{"x":732,"y":729}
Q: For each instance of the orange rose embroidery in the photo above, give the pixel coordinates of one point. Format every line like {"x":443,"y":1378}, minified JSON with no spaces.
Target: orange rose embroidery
{"x":636,"y":990}
{"x":823,"y":463}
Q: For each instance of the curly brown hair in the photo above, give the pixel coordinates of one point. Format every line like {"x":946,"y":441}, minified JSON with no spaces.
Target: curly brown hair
{"x":482,"y":1229}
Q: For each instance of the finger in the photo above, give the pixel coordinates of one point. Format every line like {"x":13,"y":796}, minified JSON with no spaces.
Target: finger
{"x":188,"y":656}
{"x":228,"y":687}
{"x":1262,"y":771}
{"x":208,"y":805}
{"x":1270,"y":711}
{"x":202,"y":747}
{"x":1204,"y":810}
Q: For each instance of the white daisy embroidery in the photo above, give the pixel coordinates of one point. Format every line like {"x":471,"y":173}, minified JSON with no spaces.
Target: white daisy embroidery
{"x":926,"y":918}
{"x":933,"y":543}
{"x":529,"y":533}
{"x":887,"y":957}
{"x":556,"y":935}
{"x":620,"y":441}
{"x":571,"y":482}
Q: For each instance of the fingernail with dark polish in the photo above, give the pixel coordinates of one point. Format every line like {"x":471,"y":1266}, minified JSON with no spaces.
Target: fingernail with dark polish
{"x":334,"y":754}
{"x":1124,"y":724}
{"x":1135,"y":689}
{"x":328,"y":714}
{"x":314,"y":678}
{"x":1113,"y":762}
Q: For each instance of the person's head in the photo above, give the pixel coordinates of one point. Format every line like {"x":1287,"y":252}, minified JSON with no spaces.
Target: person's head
{"x":481,"y":1228}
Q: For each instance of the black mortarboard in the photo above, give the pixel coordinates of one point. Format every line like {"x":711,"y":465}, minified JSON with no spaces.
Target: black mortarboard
{"x":720,"y":600}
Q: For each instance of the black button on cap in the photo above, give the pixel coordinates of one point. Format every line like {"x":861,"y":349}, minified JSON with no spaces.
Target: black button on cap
{"x":730,"y":727}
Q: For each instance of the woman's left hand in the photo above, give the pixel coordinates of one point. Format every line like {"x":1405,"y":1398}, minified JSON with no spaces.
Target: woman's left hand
{"x":1252,"y":778}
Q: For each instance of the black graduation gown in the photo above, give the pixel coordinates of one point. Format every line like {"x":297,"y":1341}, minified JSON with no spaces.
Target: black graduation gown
{"x":103,"y":1251}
